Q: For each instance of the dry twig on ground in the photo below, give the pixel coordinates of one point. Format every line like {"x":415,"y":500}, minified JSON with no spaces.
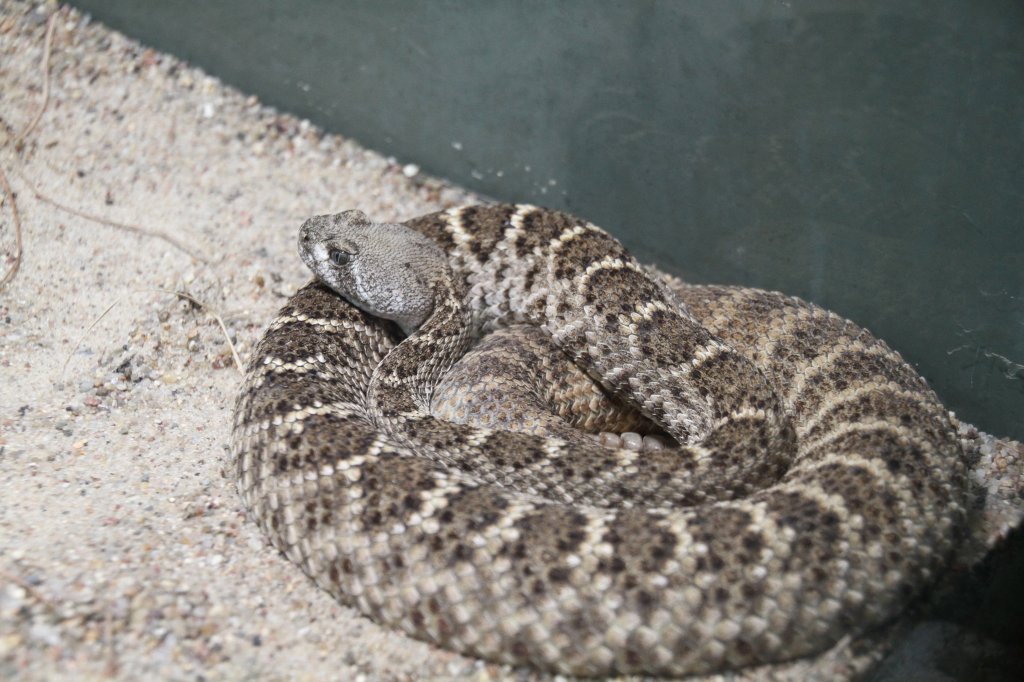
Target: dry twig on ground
{"x":227,"y":337}
{"x":9,"y":194}
{"x":51,"y":24}
{"x":180,"y":294}
{"x":18,"y":141}
{"x":29,"y":589}
{"x":159,"y":234}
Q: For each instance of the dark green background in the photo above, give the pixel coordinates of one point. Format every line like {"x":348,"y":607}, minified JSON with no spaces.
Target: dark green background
{"x":868,"y":156}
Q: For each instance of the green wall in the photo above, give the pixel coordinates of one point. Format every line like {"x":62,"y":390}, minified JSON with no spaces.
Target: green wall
{"x":868,"y":156}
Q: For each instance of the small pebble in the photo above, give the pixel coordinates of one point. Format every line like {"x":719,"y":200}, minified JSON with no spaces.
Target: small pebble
{"x":14,"y":594}
{"x":47,"y":634}
{"x":10,"y":643}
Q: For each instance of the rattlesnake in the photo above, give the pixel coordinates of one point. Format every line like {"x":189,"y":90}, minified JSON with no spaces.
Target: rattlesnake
{"x":818,"y":487}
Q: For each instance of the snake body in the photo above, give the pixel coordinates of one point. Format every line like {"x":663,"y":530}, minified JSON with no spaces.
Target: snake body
{"x":817,"y":486}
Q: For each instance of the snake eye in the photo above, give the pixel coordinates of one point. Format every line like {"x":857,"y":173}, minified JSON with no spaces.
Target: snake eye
{"x":339,"y":257}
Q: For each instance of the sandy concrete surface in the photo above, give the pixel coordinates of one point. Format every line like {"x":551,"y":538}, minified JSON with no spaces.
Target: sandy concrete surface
{"x":124,"y":549}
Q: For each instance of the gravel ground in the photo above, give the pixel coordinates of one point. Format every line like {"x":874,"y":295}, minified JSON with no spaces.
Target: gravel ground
{"x":124,"y":550}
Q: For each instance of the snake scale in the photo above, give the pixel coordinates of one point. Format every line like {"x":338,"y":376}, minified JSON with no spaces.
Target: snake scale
{"x":815,"y":485}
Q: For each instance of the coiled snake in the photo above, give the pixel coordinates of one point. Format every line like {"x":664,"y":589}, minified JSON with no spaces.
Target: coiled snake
{"x":816,"y":488}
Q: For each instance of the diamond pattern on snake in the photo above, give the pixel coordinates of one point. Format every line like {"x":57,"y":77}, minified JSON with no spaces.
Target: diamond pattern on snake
{"x":417,"y":431}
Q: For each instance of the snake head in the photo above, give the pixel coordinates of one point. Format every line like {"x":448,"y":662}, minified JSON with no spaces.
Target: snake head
{"x":384,"y":269}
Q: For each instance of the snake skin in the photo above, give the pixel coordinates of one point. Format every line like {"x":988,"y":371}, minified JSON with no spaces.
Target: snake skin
{"x":818,"y":486}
